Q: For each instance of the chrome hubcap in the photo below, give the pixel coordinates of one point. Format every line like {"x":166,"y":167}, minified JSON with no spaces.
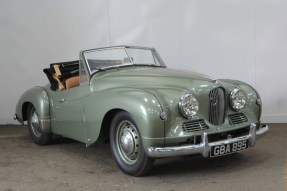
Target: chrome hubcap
{"x":35,"y":124}
{"x":128,"y":142}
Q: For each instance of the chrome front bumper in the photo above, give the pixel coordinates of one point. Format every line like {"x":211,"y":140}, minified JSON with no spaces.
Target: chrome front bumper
{"x":204,"y":147}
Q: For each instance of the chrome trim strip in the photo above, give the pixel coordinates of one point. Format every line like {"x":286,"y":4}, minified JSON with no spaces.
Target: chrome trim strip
{"x":120,"y":46}
{"x":204,"y":147}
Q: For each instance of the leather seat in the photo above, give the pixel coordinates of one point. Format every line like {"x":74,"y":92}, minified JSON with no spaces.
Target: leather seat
{"x":72,"y":82}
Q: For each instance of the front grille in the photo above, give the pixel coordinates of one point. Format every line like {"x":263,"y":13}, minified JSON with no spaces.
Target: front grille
{"x":237,"y":118}
{"x":216,"y":106}
{"x":190,"y":126}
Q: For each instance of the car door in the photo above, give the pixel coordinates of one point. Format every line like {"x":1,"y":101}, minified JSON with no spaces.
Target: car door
{"x":68,"y":116}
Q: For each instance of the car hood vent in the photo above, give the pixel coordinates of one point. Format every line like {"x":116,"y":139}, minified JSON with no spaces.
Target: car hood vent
{"x":237,"y":118}
{"x":197,"y":125}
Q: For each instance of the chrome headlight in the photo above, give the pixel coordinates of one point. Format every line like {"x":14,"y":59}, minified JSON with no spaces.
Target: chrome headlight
{"x":238,"y":99}
{"x":188,"y":105}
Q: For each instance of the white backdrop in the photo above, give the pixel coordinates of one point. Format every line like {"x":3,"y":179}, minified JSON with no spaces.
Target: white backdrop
{"x":240,"y":39}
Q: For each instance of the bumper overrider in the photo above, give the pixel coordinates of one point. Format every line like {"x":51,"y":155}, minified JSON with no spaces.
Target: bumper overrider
{"x":204,"y":147}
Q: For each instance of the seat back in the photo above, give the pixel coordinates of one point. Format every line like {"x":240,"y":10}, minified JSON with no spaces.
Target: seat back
{"x":72,"y":82}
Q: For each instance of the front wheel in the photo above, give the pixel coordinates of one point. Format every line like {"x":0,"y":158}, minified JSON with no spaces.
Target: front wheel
{"x":35,"y":131}
{"x":126,"y":146}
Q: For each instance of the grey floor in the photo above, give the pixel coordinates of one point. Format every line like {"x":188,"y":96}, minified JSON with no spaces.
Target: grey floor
{"x":69,"y":165}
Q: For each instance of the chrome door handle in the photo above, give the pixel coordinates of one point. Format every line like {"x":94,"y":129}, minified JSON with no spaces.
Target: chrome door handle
{"x":62,"y":100}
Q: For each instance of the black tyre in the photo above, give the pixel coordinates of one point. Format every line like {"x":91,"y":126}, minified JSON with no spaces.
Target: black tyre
{"x":126,"y":146}
{"x":35,"y":131}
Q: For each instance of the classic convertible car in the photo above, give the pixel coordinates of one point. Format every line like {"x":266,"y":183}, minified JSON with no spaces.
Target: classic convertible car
{"x":127,"y":96}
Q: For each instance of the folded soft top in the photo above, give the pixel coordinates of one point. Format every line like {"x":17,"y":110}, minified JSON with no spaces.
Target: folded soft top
{"x":66,"y":70}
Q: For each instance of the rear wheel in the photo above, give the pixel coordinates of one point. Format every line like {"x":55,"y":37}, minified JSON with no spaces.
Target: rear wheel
{"x":38,"y":136}
{"x":126,"y":146}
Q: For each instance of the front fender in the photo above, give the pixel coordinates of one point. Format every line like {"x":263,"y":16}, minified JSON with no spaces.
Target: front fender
{"x":253,"y":108}
{"x":38,"y":97}
{"x":142,"y":105}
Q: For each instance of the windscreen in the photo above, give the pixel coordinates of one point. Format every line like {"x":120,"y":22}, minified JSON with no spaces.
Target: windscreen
{"x":100,"y":59}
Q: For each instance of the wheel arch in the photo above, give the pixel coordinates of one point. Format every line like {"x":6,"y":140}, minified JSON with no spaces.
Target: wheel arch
{"x":39,"y":98}
{"x":25,"y":107}
{"x":106,"y":124}
{"x":142,"y":105}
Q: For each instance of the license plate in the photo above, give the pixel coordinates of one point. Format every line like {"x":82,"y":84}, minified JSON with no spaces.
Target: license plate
{"x":220,"y":150}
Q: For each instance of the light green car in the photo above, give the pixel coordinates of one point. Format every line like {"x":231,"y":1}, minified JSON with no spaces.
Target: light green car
{"x":127,"y":96}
